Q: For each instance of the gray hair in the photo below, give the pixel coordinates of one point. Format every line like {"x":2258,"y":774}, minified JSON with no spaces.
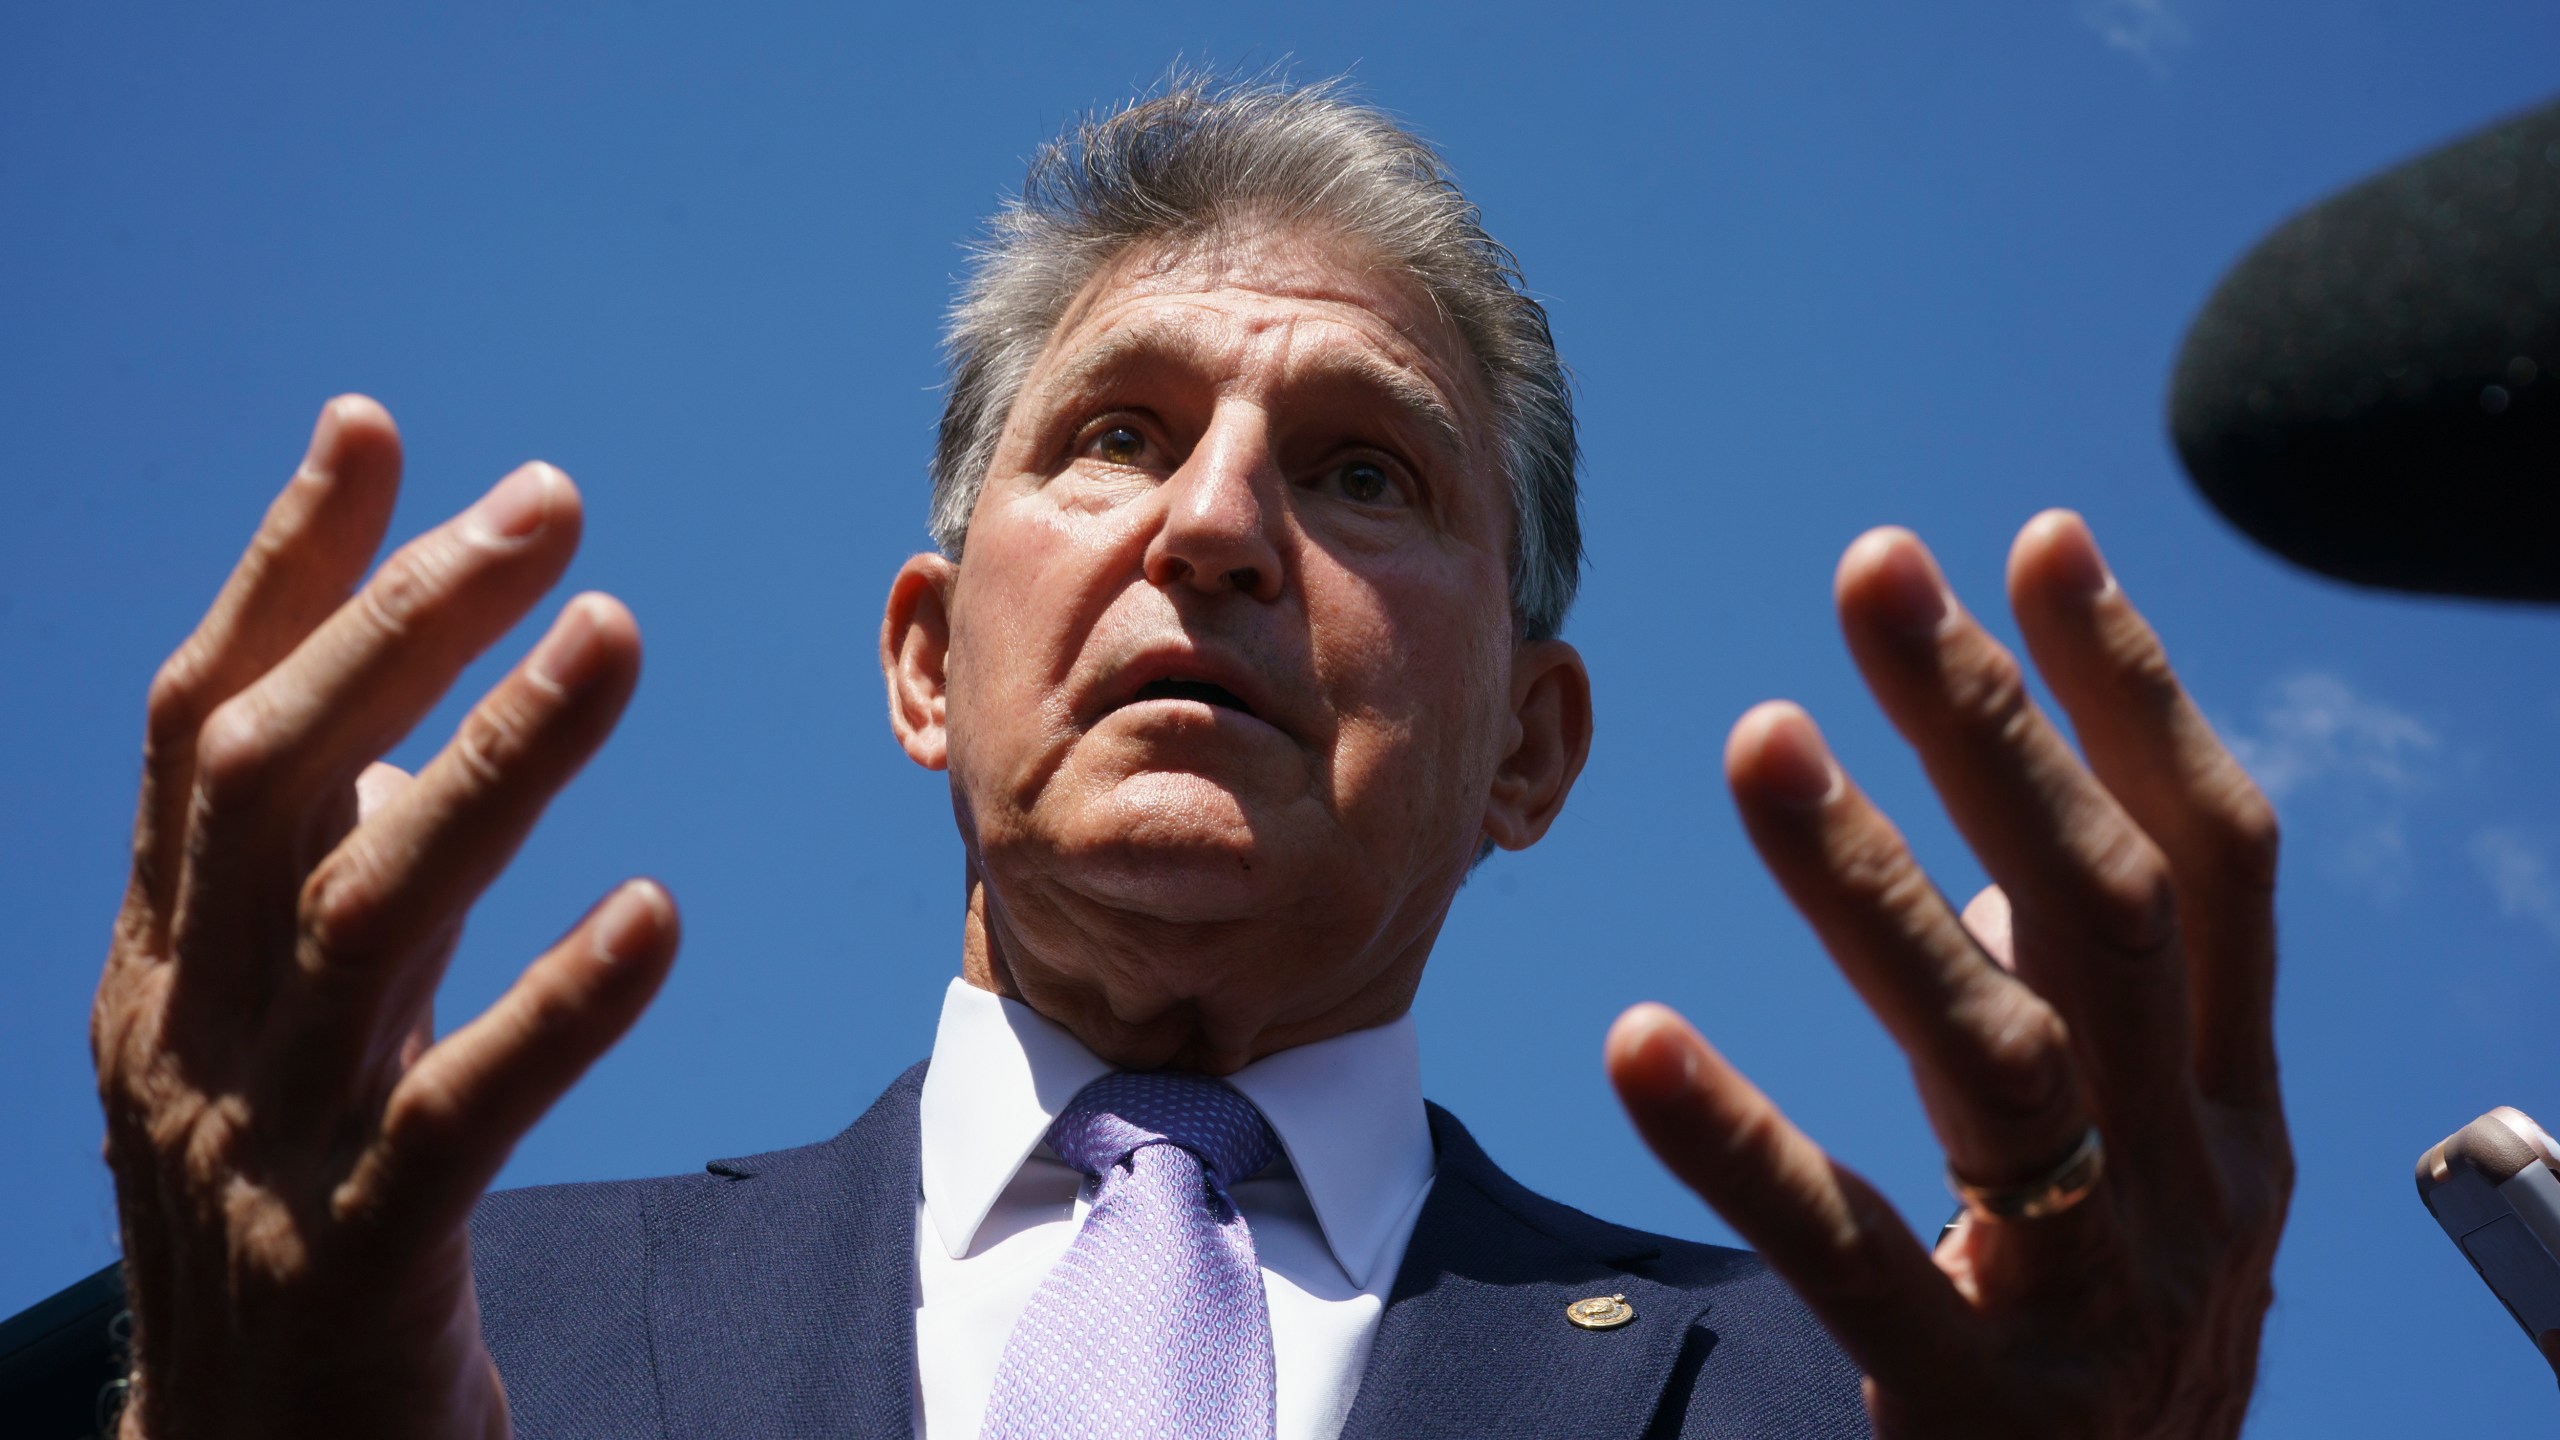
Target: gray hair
{"x":1200,"y":155}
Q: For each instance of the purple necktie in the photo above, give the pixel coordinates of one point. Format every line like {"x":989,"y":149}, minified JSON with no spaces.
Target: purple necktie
{"x":1152,"y":1326}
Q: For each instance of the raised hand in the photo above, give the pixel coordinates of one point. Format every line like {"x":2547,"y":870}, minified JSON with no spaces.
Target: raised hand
{"x":2116,"y":984}
{"x":295,"y":1153}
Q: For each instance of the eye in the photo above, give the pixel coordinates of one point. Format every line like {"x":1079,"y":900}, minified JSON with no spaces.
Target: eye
{"x":1116,"y":445}
{"x":1364,"y":482}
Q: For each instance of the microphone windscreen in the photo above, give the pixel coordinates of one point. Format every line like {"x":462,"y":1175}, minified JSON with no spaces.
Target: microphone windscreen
{"x":2374,"y":391}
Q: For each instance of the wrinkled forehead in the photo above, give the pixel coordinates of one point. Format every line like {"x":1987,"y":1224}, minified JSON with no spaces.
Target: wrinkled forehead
{"x":1304,"y":299}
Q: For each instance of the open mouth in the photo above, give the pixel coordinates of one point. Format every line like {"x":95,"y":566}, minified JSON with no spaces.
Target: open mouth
{"x":1174,"y":688}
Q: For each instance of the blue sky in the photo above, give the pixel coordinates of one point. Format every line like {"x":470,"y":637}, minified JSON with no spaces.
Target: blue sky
{"x":1818,"y":266}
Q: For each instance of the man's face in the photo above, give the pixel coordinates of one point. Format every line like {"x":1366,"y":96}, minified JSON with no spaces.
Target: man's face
{"x":1230,"y":649}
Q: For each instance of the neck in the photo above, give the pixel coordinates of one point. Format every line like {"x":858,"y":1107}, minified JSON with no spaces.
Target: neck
{"x":1144,"y":993}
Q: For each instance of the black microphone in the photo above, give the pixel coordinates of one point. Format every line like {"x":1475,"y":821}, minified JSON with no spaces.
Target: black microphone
{"x":2374,"y":391}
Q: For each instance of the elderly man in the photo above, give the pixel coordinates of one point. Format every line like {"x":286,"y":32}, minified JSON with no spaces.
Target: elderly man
{"x":1255,"y":500}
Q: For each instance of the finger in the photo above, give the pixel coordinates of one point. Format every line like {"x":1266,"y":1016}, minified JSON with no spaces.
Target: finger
{"x":376,"y":788}
{"x":2153,"y":748}
{"x":317,"y":538}
{"x":1826,"y":1232}
{"x":275,"y":760}
{"x":459,"y":1112}
{"x":375,"y":908}
{"x":1991,"y":1058}
{"x":2090,"y":897}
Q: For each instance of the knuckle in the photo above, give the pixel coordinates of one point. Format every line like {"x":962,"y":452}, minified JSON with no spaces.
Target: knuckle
{"x":237,"y":755}
{"x":206,"y":1136}
{"x":337,"y":909}
{"x":2280,"y":1173}
{"x":1874,"y":871}
{"x":109,"y":1026}
{"x":174,"y":707}
{"x":1757,"y":1138}
{"x":287,"y":520}
{"x":127,"y":1022}
{"x":2019,"y":1061}
{"x":136,"y":937}
{"x":2145,"y":680}
{"x":2131,"y":900}
{"x":410,"y":584}
{"x":2247,"y":836}
{"x":1903,"y":894}
{"x":1843,"y":1265}
{"x":153,"y":872}
{"x":1989,"y":695}
{"x":1990,"y":703}
{"x":1877,"y":875}
{"x":493,"y":741}
{"x":425,"y":1116}
{"x":549,"y":1011}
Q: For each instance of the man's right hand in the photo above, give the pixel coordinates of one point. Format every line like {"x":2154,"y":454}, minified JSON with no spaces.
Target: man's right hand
{"x":295,"y":1154}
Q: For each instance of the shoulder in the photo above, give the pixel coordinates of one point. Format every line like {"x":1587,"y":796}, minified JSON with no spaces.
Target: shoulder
{"x":564,"y":1250}
{"x":562,"y":1274}
{"x":527,"y":1241}
{"x":575,"y":1281}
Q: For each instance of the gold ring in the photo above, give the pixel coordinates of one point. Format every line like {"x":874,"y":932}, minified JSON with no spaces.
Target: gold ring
{"x":2051,"y":1193}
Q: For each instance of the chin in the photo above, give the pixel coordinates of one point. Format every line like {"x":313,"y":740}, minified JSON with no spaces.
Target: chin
{"x":1180,"y":847}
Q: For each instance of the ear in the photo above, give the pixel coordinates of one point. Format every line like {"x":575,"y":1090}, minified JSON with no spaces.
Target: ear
{"x":1551,"y":726}
{"x":915,"y":647}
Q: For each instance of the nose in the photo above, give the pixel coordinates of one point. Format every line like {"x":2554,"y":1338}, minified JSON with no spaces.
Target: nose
{"x":1220,"y":511}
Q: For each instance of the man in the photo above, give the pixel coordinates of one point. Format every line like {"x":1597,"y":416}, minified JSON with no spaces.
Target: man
{"x":1255,"y":499}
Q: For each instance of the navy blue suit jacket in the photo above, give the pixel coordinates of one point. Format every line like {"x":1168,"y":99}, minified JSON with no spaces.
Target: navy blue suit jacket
{"x":773,"y":1297}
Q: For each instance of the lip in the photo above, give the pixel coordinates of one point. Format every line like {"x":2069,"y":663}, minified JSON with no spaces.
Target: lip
{"x":1207,"y":665}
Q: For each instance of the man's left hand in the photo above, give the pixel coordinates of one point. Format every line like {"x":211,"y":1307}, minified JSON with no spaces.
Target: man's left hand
{"x":2113,"y":990}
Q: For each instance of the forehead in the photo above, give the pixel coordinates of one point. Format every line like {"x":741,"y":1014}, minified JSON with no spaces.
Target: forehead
{"x":1300,"y":300}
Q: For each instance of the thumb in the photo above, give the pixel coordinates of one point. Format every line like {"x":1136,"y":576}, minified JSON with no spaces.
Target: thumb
{"x":1986,"y":919}
{"x":379,"y":785}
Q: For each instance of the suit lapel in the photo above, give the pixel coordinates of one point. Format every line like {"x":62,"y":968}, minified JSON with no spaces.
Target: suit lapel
{"x":782,"y":1287}
{"x":1475,"y":1342}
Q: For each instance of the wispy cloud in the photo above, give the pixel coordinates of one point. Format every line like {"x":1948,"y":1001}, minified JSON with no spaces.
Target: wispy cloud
{"x":2147,"y":30}
{"x":2516,"y":872}
{"x":2317,"y":747}
{"x":2315,"y":727}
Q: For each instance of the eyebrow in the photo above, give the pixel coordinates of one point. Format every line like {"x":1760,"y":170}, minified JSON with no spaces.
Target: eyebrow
{"x":1416,"y":397}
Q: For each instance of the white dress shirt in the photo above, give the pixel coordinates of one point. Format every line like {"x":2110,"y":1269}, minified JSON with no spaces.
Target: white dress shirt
{"x":1330,"y":1218}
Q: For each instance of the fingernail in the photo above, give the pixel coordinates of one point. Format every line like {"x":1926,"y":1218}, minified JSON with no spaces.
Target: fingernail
{"x":1794,"y":765}
{"x":1910,"y":592}
{"x":627,"y":923}
{"x":324,"y":432}
{"x":568,"y":657}
{"x":1686,"y":1054}
{"x":519,"y":507}
{"x":2077,"y":565}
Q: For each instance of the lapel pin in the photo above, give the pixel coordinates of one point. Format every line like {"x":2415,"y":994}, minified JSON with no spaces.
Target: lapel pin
{"x":1600,"y":1312}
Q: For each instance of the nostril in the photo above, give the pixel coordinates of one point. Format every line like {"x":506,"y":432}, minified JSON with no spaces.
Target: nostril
{"x":1246,"y":579}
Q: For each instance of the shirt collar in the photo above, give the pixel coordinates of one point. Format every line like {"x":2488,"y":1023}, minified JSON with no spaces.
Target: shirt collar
{"x":1348,"y":1110}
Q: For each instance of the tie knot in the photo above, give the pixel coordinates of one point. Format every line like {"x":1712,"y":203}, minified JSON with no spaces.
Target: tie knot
{"x":1122,"y":1113}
